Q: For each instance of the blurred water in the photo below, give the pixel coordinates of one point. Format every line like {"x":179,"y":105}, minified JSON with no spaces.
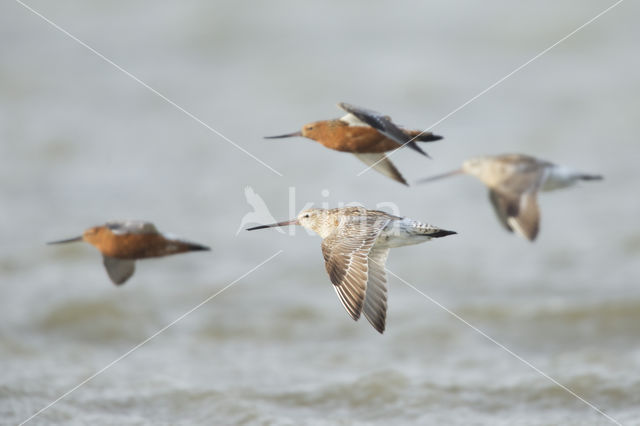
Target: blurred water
{"x":82,"y":143}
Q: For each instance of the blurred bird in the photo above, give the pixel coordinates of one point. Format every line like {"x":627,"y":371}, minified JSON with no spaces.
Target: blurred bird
{"x":355,"y":246}
{"x":514,"y":181}
{"x":367,"y":135}
{"x":123,"y":242}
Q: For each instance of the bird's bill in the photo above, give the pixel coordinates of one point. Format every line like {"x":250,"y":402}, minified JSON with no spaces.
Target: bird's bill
{"x":443,"y":175}
{"x":70,"y":240}
{"x":287,"y":135}
{"x":273,"y":225}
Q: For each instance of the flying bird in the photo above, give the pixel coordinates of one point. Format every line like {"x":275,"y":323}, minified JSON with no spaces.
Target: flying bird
{"x":123,"y":242}
{"x":367,"y":135}
{"x":514,"y":181}
{"x":355,"y":246}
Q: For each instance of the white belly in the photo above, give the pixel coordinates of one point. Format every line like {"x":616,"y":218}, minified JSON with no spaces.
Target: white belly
{"x":559,"y":177}
{"x":400,"y":233}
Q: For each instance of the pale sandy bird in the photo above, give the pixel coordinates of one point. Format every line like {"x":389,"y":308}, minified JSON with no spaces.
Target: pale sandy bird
{"x":123,"y":242}
{"x":367,"y":135}
{"x":355,"y":245}
{"x":514,"y":181}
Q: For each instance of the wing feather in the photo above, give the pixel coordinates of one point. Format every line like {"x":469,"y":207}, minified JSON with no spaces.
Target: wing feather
{"x":382,"y":123}
{"x":346,"y":253}
{"x":375,"y":302}
{"x":119,"y":270}
{"x":381,"y":163}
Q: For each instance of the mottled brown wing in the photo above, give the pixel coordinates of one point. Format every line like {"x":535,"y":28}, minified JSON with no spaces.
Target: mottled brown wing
{"x":375,"y":302}
{"x":346,"y":253}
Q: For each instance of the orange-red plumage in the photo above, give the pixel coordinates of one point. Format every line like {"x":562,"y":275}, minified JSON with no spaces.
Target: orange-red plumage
{"x":123,"y":242}
{"x":366,"y":134}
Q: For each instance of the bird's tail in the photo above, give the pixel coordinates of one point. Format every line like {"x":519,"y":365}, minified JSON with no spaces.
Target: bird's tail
{"x":591,"y":177}
{"x":431,"y":231}
{"x":423,"y":136}
{"x":441,"y":233}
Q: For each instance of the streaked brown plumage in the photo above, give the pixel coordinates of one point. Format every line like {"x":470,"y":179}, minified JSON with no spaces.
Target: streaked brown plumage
{"x":355,"y":246}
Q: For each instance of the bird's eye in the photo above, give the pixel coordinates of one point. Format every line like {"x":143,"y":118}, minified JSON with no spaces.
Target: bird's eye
{"x":306,"y":215}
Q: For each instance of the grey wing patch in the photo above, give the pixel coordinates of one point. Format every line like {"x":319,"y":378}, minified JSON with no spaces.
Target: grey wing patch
{"x":382,"y":164}
{"x":382,"y":123}
{"x":119,"y":270}
{"x":122,"y":227}
{"x":346,"y":253}
{"x":375,"y":302}
{"x":521,"y":214}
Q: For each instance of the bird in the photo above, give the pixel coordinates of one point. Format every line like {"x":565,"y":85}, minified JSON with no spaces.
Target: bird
{"x":514,"y":181}
{"x":367,"y":135}
{"x":355,"y":246}
{"x":122,"y":242}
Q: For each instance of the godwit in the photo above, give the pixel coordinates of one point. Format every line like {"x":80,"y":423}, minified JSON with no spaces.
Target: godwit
{"x":355,"y":245}
{"x":514,"y":181}
{"x":123,"y":242}
{"x":367,"y":135}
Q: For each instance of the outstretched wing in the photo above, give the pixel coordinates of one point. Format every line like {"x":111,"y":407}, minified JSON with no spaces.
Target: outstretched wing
{"x":346,"y":256}
{"x":517,"y":213}
{"x":381,"y":164}
{"x":119,"y":270}
{"x":375,"y":301}
{"x":382,"y":123}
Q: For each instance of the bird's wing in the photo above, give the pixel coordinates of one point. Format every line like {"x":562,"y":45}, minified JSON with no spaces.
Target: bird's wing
{"x":520,"y":214}
{"x":381,"y":164}
{"x":122,"y":227}
{"x":353,"y":121}
{"x":514,"y":196}
{"x":524,"y":176}
{"x":504,"y":207}
{"x":375,"y":301}
{"x":346,"y":253}
{"x":382,"y":123}
{"x":119,"y":270}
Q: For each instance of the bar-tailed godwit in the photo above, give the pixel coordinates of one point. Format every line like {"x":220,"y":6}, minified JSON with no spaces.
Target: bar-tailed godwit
{"x":355,"y":246}
{"x":123,"y":242}
{"x":367,"y":135}
{"x":514,"y":181}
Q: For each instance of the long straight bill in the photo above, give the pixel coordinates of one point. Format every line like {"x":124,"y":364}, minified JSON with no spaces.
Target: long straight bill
{"x":288,"y":135}
{"x":273,"y":225}
{"x":442,"y":176}
{"x":70,"y":240}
